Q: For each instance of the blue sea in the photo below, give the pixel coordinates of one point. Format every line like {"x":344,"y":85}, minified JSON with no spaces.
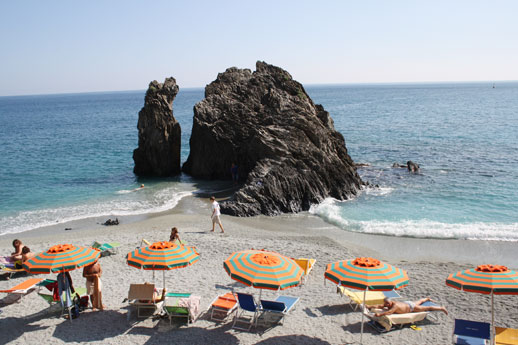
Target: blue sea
{"x":68,"y":157}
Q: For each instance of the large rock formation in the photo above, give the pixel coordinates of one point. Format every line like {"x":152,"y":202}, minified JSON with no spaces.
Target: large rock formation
{"x":159,"y":134}
{"x":288,"y":153}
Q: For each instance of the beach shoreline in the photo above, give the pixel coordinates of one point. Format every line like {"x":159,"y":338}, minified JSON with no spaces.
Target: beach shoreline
{"x":329,"y":318}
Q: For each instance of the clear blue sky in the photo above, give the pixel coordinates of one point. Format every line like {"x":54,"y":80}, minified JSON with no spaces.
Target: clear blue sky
{"x":80,"y":46}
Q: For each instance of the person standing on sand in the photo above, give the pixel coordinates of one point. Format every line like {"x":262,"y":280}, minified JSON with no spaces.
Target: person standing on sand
{"x":215,"y":214}
{"x":93,"y":273}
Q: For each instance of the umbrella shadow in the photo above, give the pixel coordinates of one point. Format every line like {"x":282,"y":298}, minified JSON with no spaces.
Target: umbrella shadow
{"x":294,"y":339}
{"x":335,"y":309}
{"x":104,"y":324}
{"x":19,"y":326}
{"x":194,"y":335}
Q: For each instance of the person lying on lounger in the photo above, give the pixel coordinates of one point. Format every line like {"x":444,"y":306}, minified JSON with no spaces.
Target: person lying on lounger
{"x":402,"y":307}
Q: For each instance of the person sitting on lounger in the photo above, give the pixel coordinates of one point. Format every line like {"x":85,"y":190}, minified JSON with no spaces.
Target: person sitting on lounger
{"x":27,"y":254}
{"x":18,"y":247}
{"x":402,"y":307}
{"x":175,"y":235}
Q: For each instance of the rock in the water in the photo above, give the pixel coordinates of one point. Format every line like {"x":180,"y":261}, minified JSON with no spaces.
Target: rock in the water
{"x":288,"y":152}
{"x":159,"y":134}
{"x":412,"y":167}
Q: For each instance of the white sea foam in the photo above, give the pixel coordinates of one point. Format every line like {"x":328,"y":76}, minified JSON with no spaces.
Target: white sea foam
{"x":329,"y":210}
{"x":378,"y":191}
{"x":123,"y":205}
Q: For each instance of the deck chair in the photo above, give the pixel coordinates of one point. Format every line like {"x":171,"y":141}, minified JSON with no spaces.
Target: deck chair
{"x":22,"y":289}
{"x":106,"y":248}
{"x":506,"y":336}
{"x":247,"y":306}
{"x":142,"y":296}
{"x":222,"y":306}
{"x":9,"y":271}
{"x":390,"y":322}
{"x":371,"y":297}
{"x":173,"y":308}
{"x":471,"y":332}
{"x":144,"y":241}
{"x":277,"y":309}
{"x":306,"y":265}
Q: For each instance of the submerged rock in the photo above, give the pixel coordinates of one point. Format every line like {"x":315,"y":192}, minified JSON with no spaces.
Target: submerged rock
{"x":159,"y":133}
{"x":288,"y":152}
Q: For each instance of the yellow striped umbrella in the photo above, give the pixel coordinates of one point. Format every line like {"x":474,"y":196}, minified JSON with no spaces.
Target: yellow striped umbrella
{"x":162,"y":256}
{"x":263,"y":269}
{"x":366,"y":274}
{"x":486,"y":279}
{"x":61,"y":258}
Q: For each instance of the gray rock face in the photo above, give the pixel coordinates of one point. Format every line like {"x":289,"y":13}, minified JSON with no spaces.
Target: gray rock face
{"x":159,"y":134}
{"x":288,"y":153}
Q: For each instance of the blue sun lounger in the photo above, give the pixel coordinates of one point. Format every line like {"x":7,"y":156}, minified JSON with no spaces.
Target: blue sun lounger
{"x":468,"y":332}
{"x":277,"y":309}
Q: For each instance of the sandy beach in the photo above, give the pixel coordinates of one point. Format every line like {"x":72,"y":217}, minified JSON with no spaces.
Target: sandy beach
{"x":321,"y":316}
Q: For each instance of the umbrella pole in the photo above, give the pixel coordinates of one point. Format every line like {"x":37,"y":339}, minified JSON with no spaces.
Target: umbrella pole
{"x":492,"y":320}
{"x":163,"y":278}
{"x":363,"y":308}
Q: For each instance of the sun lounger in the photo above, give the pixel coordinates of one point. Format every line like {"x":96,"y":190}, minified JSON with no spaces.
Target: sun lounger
{"x":306,"y":265}
{"x":371,"y":297}
{"x":387,"y":323}
{"x":222,"y":306}
{"x":506,"y":336}
{"x":277,"y":309}
{"x":471,"y":332}
{"x":142,"y":296}
{"x":23,"y":289}
{"x":9,"y":270}
{"x":181,"y":305}
{"x":247,"y":306}
{"x":106,"y":248}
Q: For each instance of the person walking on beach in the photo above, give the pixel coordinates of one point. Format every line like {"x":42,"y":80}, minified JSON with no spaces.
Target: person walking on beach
{"x":175,"y":236}
{"x":402,"y":307}
{"x":93,"y":273}
{"x":215,"y":214}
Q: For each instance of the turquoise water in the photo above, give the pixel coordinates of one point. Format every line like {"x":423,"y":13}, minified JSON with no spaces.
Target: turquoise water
{"x":66,"y":157}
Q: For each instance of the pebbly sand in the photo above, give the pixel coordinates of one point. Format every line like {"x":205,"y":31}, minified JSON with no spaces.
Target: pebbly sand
{"x":321,"y":316}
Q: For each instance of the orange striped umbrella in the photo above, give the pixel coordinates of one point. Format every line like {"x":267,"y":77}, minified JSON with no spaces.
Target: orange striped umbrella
{"x":486,"y":279}
{"x":162,"y":256}
{"x":264,"y":270}
{"x":61,"y":258}
{"x":366,"y":274}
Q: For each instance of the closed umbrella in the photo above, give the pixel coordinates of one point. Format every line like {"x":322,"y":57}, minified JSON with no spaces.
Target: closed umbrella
{"x":486,"y":279}
{"x":162,"y":256}
{"x":263,"y":269}
{"x":366,"y":274}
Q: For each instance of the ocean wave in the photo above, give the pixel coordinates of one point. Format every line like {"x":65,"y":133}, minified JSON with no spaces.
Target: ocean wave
{"x":330,"y":211}
{"x":378,"y":191}
{"x":122,"y":205}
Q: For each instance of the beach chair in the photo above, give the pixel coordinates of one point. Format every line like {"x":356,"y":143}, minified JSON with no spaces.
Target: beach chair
{"x":181,"y":305}
{"x":355,"y":298}
{"x":142,"y":296}
{"x":9,"y":271}
{"x":506,"y":336}
{"x":390,"y":322}
{"x":242,"y":316}
{"x":106,"y":248}
{"x":144,"y":242}
{"x":471,"y":332}
{"x":222,"y":306}
{"x":277,"y":310}
{"x":306,"y":265}
{"x":22,"y":289}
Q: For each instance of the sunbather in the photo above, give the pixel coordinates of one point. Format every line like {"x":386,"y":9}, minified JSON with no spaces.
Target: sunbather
{"x":402,"y":307}
{"x":17,"y":254}
{"x":93,"y":273}
{"x":175,"y":235}
{"x":27,"y":254}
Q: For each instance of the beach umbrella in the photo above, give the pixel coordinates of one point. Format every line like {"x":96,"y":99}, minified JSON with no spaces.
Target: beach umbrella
{"x":486,"y":279}
{"x":162,"y":256}
{"x":61,"y":258}
{"x":263,"y":269}
{"x":366,"y":274}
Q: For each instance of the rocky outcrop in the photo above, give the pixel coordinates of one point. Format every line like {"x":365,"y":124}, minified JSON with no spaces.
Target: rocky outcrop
{"x":288,"y":153}
{"x":159,"y":134}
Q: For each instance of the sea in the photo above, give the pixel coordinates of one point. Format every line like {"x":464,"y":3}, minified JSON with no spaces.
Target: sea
{"x":68,"y":157}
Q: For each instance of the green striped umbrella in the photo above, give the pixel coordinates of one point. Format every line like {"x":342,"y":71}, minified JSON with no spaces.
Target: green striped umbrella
{"x":263,"y":269}
{"x":366,"y":274}
{"x":61,"y":258}
{"x":162,"y":256}
{"x":486,"y":279}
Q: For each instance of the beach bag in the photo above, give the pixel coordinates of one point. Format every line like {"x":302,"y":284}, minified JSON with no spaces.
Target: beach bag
{"x":83,"y":302}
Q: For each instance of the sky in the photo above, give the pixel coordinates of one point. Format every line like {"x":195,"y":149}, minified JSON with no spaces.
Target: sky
{"x":87,"y":46}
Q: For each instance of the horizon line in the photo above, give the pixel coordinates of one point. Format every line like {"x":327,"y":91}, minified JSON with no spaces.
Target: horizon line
{"x":305,"y":85}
